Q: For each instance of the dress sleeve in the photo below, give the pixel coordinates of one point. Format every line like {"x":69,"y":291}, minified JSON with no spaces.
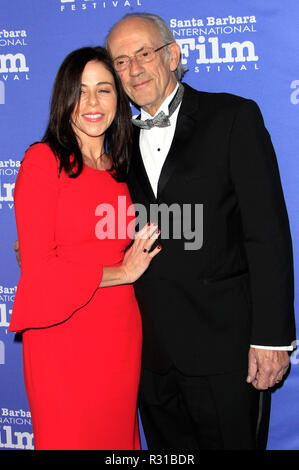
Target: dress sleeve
{"x":50,"y":288}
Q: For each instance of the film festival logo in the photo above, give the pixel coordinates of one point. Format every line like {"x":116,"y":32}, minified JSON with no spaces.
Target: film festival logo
{"x":10,"y":439}
{"x":13,"y":66}
{"x":7,"y":297}
{"x":208,"y":44}
{"x":11,"y":421}
{"x":81,"y":5}
{"x":8,"y":173}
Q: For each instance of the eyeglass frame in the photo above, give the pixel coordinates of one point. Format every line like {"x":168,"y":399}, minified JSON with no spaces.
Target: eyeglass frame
{"x":135,"y":55}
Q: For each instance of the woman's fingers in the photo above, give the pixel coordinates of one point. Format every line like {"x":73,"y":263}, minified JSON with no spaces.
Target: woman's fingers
{"x":147,"y":244}
{"x":146,"y":237}
{"x":153,"y":253}
{"x":147,"y":231}
{"x":152,"y":234}
{"x":138,"y":257}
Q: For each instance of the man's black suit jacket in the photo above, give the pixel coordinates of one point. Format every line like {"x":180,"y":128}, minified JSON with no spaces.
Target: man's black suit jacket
{"x":202,"y":309}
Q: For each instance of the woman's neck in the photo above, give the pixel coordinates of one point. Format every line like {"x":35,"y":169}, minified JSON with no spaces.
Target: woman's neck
{"x":95,"y":156}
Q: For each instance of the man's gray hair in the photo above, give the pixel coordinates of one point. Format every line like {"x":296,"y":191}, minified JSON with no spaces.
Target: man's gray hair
{"x":166,"y":36}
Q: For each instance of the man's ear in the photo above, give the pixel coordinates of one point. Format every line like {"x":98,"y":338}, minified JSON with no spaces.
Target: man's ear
{"x":174,"y":55}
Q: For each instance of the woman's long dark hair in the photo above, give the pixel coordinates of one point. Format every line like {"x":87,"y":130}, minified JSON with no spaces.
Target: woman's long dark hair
{"x":59,"y":134}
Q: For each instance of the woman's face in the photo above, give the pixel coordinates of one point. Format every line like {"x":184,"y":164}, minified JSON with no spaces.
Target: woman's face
{"x":95,"y":110}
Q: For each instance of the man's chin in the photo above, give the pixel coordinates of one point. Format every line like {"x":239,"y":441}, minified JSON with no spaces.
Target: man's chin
{"x":143,"y":101}
{"x":141,"y":97}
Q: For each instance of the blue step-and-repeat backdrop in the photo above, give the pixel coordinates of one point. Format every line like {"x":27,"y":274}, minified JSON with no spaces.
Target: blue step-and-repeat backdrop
{"x":246,"y":48}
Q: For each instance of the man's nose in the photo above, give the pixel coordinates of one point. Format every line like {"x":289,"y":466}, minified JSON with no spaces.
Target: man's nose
{"x":135,"y":67}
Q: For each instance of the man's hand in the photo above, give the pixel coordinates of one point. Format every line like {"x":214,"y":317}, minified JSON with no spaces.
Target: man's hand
{"x":266,"y":367}
{"x":17,"y":250}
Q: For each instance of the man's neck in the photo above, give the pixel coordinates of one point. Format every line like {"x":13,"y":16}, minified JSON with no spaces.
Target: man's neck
{"x":154,"y":110}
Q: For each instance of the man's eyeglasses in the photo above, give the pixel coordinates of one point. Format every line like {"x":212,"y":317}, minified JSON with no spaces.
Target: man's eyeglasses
{"x":146,"y":54}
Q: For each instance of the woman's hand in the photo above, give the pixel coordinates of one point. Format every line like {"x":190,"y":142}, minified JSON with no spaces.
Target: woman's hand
{"x":138,"y":257}
{"x":136,"y":260}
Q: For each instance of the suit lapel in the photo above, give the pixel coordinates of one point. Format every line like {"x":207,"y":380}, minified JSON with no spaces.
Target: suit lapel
{"x":185,"y":128}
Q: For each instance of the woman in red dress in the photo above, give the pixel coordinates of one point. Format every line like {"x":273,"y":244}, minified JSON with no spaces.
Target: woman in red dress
{"x":75,"y":303}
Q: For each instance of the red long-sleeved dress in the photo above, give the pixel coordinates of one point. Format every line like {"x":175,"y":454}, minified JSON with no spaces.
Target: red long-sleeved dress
{"x":81,"y":343}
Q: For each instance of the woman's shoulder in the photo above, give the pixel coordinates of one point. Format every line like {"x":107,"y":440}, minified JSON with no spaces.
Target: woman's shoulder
{"x":40,"y":155}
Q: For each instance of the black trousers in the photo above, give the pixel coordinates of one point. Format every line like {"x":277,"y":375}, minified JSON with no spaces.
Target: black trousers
{"x":220,"y":412}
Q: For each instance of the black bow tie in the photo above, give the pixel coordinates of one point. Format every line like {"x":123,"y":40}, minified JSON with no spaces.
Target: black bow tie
{"x":161,"y":120}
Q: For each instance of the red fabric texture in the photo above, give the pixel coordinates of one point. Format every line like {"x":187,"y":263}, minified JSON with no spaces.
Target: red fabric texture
{"x":82,"y":344}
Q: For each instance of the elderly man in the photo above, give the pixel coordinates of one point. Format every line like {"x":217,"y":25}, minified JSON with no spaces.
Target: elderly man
{"x":217,"y":318}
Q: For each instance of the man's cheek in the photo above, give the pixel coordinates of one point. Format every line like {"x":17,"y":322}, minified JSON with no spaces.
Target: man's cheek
{"x":123,"y":78}
{"x":129,"y":92}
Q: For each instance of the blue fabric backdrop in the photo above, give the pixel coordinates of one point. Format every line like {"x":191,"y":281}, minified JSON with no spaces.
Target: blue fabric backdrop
{"x":247,"y":48}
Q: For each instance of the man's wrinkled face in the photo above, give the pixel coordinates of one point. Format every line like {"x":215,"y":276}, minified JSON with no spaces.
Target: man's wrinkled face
{"x":148,"y":84}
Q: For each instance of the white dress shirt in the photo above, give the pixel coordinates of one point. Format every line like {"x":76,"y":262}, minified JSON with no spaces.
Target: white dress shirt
{"x":155,"y":143}
{"x":154,"y":146}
